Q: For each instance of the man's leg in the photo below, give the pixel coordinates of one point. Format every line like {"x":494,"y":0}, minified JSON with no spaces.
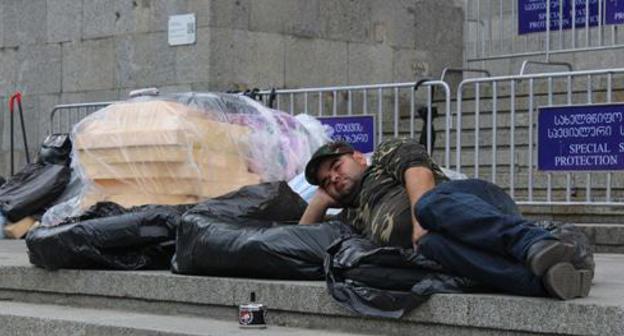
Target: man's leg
{"x":459,"y":210}
{"x":494,"y":271}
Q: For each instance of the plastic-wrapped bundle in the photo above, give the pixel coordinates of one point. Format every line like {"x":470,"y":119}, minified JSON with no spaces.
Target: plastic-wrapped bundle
{"x":185,"y":148}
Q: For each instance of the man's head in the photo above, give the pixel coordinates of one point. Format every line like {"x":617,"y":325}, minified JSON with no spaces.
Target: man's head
{"x":336,"y":168}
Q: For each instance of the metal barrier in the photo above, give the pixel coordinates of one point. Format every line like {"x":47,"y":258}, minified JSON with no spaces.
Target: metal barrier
{"x":63,"y":117}
{"x":511,"y":102}
{"x":379,"y":99}
{"x":493,"y":30}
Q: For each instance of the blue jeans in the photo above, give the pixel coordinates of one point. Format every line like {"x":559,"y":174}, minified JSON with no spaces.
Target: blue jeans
{"x":477,"y":232}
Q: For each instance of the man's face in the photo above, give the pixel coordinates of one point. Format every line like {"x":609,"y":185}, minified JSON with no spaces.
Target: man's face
{"x":339,"y":176}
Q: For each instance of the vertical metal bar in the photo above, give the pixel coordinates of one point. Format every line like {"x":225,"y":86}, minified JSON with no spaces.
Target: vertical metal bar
{"x":600,"y":22}
{"x":278,"y":101}
{"x":586,"y":23}
{"x":380,"y":113}
{"x":589,"y":101}
{"x":494,"y":128}
{"x":512,"y":140}
{"x":364,"y":101}
{"x":548,"y":30}
{"x":413,"y":112}
{"x":573,"y":24}
{"x":292,"y":104}
{"x":429,"y":118}
{"x":549,"y":175}
{"x":513,"y":32}
{"x":560,"y":24}
{"x":479,"y":40}
{"x":335,"y":103}
{"x":476,"y":130}
{"x":447,"y":132}
{"x":320,"y":104}
{"x":458,"y":130}
{"x":305,"y":103}
{"x":490,"y":30}
{"x":609,"y":100}
{"x":568,"y":175}
{"x":349,"y":103}
{"x":396,"y":112}
{"x":501,"y":28}
{"x":530,"y":140}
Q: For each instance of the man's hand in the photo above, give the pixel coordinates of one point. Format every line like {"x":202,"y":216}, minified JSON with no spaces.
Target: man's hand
{"x":315,"y":212}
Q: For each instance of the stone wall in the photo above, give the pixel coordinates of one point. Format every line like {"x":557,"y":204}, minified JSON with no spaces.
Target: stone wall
{"x":71,"y":51}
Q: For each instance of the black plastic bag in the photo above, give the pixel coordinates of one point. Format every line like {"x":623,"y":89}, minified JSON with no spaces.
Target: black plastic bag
{"x":258,"y":204}
{"x":206,"y":246}
{"x":385,"y":281}
{"x":55,"y":149}
{"x":33,"y":189}
{"x":245,"y":233}
{"x":108,"y":237}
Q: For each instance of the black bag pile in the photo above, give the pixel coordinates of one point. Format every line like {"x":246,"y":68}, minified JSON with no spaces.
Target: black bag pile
{"x":39,"y":184}
{"x":390,"y":282}
{"x":108,"y":236}
{"x":247,"y":233}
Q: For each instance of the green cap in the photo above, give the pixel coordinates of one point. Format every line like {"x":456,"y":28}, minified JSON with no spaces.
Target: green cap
{"x":326,"y":151}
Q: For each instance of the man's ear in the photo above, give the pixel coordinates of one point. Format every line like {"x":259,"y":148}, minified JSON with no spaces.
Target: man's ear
{"x":360,"y":158}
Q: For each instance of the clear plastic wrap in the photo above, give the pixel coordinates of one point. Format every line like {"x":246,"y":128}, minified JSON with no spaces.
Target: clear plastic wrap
{"x":184,"y":148}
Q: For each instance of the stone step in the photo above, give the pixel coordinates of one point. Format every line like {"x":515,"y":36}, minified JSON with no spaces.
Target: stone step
{"x":606,"y":238}
{"x":576,"y":214}
{"x":304,"y":304}
{"x":32,"y":319}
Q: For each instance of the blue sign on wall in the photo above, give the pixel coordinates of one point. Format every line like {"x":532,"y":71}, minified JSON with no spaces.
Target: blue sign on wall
{"x":581,"y":138}
{"x":359,"y":131}
{"x":532,"y":16}
{"x":614,"y":11}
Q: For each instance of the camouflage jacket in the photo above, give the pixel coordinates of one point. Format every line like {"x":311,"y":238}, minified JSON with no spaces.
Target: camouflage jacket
{"x":381,"y":210}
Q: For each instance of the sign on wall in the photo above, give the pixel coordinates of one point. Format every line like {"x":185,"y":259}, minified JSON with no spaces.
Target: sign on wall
{"x":581,"y":138}
{"x":614,"y":11}
{"x":181,"y":29}
{"x":359,"y":131}
{"x":532,"y":16}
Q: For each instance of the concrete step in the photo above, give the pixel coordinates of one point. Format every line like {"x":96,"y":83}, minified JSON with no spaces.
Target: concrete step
{"x":606,"y":238}
{"x":302,"y":304}
{"x":575,"y":214}
{"x":31,"y":319}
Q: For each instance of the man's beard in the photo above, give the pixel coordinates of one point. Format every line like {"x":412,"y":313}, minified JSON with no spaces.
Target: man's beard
{"x":348,"y":200}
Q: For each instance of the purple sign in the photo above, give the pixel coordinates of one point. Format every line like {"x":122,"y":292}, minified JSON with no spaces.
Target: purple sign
{"x":532,"y":15}
{"x":359,"y":131}
{"x":581,"y":138}
{"x":614,"y":12}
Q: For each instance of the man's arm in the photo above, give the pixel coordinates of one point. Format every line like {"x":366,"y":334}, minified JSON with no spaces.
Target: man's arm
{"x":315,"y":212}
{"x":418,"y":180}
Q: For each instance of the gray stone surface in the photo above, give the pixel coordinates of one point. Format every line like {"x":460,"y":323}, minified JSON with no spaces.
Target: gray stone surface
{"x":24,"y":22}
{"x":369,"y":63}
{"x":8,"y":71}
{"x":89,"y":65}
{"x":41,"y":319}
{"x":465,"y":314}
{"x":230,"y":51}
{"x":303,"y":67}
{"x":347,"y":20}
{"x":103,"y":18}
{"x":294,"y":17}
{"x":39,"y":69}
{"x":223,"y":13}
{"x":144,"y":60}
{"x":64,"y":20}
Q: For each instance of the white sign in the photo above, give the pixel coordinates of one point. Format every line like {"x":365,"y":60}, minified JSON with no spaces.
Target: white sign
{"x":182,"y":29}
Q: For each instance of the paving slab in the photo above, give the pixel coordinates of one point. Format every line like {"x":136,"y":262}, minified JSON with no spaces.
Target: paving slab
{"x":305,"y":304}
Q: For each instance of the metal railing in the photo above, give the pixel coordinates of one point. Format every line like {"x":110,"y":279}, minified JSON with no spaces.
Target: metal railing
{"x":397,"y":99}
{"x":497,"y":29}
{"x":64,"y":117}
{"x":510,"y":103}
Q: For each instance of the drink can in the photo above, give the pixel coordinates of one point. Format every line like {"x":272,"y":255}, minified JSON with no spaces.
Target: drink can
{"x":251,"y":315}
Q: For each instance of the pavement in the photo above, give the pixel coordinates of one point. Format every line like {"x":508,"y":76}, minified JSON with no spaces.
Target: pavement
{"x":37,"y":295}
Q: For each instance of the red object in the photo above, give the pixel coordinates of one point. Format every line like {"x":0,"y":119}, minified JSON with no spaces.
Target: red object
{"x":16,"y":96}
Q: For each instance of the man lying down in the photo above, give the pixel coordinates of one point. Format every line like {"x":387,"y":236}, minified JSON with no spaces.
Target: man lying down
{"x":402,"y":198}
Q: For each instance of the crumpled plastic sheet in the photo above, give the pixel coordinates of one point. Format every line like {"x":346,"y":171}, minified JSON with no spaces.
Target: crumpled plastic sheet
{"x":183,"y":149}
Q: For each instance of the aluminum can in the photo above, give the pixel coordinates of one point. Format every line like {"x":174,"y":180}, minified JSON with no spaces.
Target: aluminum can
{"x":252,"y":315}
